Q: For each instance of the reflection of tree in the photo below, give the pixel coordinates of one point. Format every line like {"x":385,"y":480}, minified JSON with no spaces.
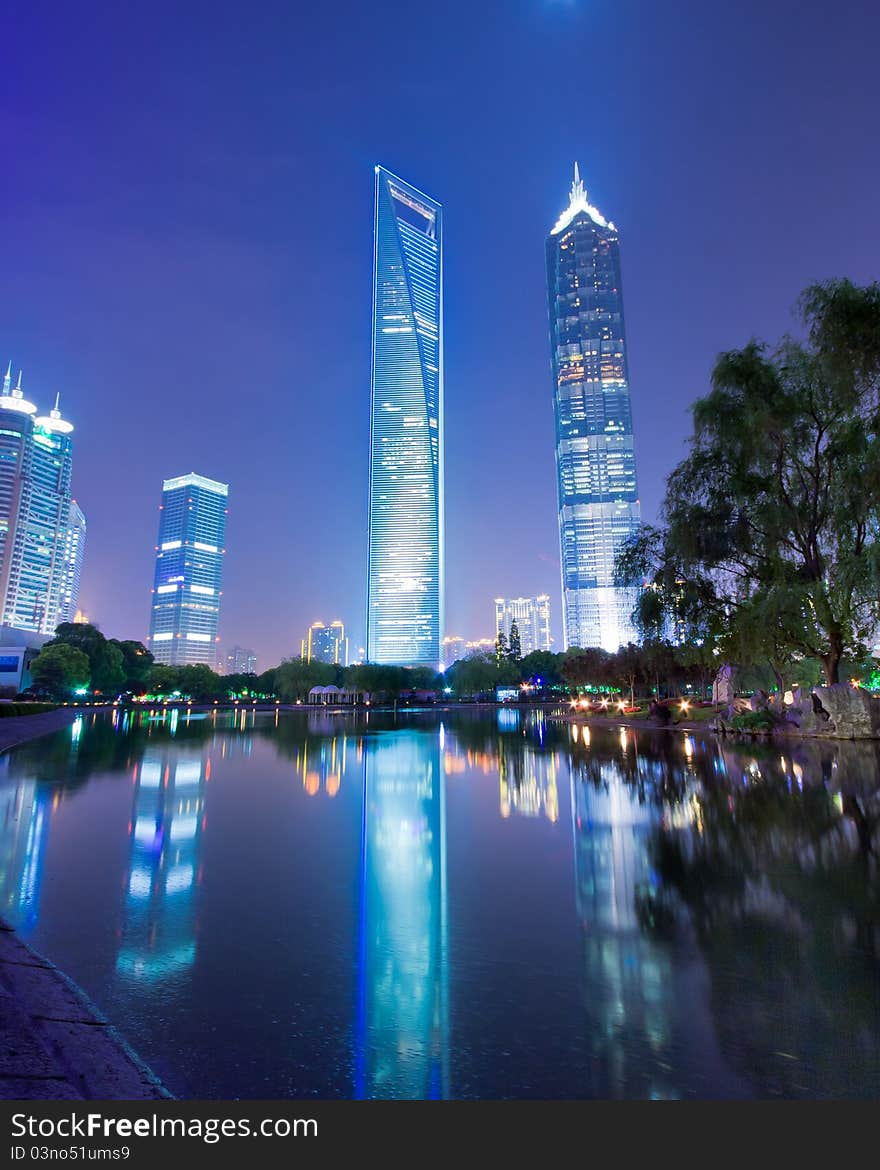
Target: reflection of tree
{"x":785,"y":903}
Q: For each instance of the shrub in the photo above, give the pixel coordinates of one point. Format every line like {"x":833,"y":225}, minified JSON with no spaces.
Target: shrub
{"x":754,"y":721}
{"x":9,"y":709}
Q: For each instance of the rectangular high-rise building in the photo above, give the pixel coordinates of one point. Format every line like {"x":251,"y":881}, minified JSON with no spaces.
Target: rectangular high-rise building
{"x":189,"y":569}
{"x":532,"y":617}
{"x":405,"y":577}
{"x":595,"y":461}
{"x":74,"y":551}
{"x":326,"y":644}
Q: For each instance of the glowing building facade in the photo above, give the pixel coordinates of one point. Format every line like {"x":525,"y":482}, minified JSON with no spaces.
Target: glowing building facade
{"x":405,"y":576}
{"x":532,"y":617}
{"x":326,"y":644}
{"x":189,"y":568}
{"x":74,"y":551}
{"x":595,"y":461}
{"x":35,"y":513}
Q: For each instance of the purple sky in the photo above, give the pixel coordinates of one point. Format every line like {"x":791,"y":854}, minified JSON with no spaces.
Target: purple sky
{"x":187,"y":234}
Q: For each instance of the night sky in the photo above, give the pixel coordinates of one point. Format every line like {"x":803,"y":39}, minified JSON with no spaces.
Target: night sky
{"x":187,"y":237}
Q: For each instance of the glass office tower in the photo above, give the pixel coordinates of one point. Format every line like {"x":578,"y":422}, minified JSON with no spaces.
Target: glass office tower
{"x":405,"y":580}
{"x":189,"y":568}
{"x":36,"y":458}
{"x":595,"y":462}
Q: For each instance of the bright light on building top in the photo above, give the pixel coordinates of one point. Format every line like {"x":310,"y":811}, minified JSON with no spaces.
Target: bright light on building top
{"x":578,"y":202}
{"x":210,"y":485}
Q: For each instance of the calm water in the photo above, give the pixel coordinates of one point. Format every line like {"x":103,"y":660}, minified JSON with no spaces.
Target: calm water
{"x":455,"y":905}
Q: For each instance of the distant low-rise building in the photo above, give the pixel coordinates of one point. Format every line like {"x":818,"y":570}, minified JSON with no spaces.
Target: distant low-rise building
{"x":18,"y":649}
{"x":454,"y":648}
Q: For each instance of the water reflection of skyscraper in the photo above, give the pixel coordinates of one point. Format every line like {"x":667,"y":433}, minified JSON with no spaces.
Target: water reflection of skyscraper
{"x":25,"y":812}
{"x":402,"y":1016}
{"x":167,"y":825}
{"x":528,"y":783}
{"x":627,"y":977}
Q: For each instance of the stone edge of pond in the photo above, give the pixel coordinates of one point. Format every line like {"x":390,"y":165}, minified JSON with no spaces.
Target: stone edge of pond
{"x":18,"y":729}
{"x":54,"y":1042}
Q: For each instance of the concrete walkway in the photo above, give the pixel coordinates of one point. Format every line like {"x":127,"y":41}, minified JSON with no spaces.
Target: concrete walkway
{"x":16,"y":729}
{"x":54,"y":1043}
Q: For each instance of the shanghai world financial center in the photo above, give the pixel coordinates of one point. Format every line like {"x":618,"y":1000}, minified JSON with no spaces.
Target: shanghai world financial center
{"x":405,"y":587}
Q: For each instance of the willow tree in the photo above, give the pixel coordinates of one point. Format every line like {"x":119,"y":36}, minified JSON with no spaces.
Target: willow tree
{"x":775,"y":509}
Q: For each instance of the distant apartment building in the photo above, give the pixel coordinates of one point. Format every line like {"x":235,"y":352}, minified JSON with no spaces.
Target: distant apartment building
{"x":189,"y":569}
{"x":325,"y":644}
{"x":453,"y":649}
{"x":238,"y":660}
{"x":480,"y":646}
{"x":532,"y":617}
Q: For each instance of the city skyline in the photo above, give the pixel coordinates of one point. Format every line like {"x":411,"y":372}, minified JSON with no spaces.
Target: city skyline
{"x":177,"y":241}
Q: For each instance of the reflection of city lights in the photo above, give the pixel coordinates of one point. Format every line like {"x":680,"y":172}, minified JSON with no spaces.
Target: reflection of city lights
{"x":575,"y":731}
{"x":688,"y":746}
{"x":312,"y":783}
{"x":332,"y":784}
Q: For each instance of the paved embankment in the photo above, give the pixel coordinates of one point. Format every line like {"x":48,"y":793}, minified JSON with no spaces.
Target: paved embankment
{"x":54,"y":1043}
{"x":16,"y":729}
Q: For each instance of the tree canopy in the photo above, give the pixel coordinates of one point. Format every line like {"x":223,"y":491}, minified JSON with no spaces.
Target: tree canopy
{"x":769,"y":528}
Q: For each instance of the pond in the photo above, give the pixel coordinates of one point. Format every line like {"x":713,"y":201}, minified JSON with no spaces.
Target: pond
{"x":454,"y":904}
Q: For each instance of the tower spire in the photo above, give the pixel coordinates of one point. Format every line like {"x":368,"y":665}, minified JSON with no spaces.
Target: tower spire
{"x":7,"y":379}
{"x":57,"y":406}
{"x":578,"y":191}
{"x":18,"y":383}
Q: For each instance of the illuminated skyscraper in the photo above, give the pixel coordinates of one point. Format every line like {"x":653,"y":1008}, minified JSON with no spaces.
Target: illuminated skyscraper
{"x":74,"y":551}
{"x":326,"y":644}
{"x":595,"y":462}
{"x":532,"y":617}
{"x":189,"y":569}
{"x":405,"y":580}
{"x":35,"y":511}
